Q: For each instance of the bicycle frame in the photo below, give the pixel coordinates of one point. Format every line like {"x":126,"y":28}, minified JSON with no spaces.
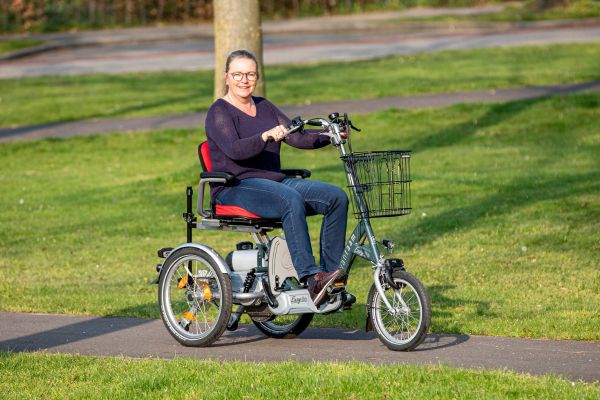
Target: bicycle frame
{"x":363,"y":230}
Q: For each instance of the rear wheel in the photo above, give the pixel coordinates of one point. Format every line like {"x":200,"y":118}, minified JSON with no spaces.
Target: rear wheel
{"x":406,"y":325}
{"x":284,"y":326}
{"x":194,"y":297}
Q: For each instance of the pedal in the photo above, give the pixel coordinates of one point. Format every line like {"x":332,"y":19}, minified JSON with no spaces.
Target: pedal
{"x":232,"y":324}
{"x":336,"y":287}
{"x":348,"y":299}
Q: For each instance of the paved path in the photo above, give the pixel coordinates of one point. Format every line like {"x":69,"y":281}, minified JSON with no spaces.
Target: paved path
{"x":299,"y":41}
{"x":91,"y":127}
{"x":369,"y":20}
{"x":575,"y":360}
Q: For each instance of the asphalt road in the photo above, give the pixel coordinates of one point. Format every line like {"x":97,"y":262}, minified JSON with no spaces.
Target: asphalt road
{"x":132,"y":337}
{"x":189,"y":48}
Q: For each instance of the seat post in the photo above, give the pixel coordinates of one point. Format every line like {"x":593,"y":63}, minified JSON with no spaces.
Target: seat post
{"x":189,"y":216}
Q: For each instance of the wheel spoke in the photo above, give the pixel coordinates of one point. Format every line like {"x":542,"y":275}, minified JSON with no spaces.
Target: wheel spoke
{"x":402,"y":324}
{"x":203,"y":312}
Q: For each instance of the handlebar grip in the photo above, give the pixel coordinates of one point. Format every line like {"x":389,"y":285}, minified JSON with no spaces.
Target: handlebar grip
{"x":314,"y":123}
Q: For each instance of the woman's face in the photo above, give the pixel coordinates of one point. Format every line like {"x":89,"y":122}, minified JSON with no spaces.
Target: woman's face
{"x":244,"y":87}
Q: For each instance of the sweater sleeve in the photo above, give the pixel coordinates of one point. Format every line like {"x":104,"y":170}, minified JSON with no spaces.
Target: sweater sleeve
{"x":303,"y":139}
{"x":221,"y":130}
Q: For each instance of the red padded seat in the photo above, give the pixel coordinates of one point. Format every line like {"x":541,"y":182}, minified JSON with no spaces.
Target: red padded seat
{"x":221,"y":210}
{"x":233,"y":211}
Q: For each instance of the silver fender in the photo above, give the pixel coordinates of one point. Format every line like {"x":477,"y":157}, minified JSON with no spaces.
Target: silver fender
{"x":223,"y":267}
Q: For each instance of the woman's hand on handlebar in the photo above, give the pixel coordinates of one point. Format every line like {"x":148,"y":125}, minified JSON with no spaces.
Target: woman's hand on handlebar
{"x":274,"y":134}
{"x":345,"y":132}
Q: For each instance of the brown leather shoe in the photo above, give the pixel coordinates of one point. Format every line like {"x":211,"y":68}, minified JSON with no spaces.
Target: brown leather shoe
{"x":318,"y":283}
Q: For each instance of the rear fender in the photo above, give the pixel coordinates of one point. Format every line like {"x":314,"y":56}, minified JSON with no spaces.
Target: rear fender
{"x":221,"y":264}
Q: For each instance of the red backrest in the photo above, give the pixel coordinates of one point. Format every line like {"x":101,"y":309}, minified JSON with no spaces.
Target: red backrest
{"x":232,"y":211}
{"x":204,"y":155}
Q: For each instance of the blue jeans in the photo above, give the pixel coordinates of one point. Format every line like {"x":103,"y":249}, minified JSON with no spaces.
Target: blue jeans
{"x":292,"y":200}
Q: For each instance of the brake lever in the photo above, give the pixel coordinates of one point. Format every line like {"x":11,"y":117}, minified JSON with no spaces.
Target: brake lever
{"x":292,"y":129}
{"x":295,"y":125}
{"x":353,"y":127}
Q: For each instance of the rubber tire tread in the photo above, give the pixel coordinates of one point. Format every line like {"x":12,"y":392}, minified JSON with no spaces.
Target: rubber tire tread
{"x":301,"y":324}
{"x":426,"y":307}
{"x":226,"y":299}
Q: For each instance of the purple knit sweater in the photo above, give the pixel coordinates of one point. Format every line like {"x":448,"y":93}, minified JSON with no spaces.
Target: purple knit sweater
{"x":236,"y":146}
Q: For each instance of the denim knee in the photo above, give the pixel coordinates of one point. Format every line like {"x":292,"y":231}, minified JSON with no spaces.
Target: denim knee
{"x":342,"y":198}
{"x":339,"y":198}
{"x":294,"y":203}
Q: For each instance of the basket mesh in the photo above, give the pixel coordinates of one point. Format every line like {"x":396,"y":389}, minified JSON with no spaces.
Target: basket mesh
{"x":382,"y":181}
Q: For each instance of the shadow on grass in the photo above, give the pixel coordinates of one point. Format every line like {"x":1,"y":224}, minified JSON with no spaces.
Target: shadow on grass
{"x":497,"y":113}
{"x":521,"y":193}
{"x":8,"y":132}
{"x":445,"y":308}
{"x":132,"y":209}
{"x":531,"y":187}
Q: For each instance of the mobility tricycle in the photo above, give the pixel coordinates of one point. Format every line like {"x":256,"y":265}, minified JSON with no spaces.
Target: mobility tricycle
{"x":197,"y":288}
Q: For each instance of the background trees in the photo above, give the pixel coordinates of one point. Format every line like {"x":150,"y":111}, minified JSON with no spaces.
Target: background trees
{"x":54,"y":15}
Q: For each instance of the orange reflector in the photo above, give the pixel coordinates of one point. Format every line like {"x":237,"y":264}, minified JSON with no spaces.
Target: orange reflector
{"x":207,"y":292}
{"x":339,"y":284}
{"x":182,"y":282}
{"x":189,"y":316}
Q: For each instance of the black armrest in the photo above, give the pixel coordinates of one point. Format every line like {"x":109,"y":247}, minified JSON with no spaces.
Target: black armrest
{"x":298,"y":173}
{"x":218,"y":176}
{"x":210,"y":177}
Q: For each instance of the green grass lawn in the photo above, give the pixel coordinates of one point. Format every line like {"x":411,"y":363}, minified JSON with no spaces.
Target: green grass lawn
{"x":505,"y":231}
{"x":8,"y":46}
{"x":57,"y":99}
{"x":26,"y":376}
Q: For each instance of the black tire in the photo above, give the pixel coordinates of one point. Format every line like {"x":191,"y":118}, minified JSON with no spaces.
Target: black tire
{"x":194,"y":297}
{"x":284,"y":326}
{"x":405,"y":330}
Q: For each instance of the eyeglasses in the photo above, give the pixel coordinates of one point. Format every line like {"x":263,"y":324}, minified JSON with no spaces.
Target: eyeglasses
{"x":251,"y":76}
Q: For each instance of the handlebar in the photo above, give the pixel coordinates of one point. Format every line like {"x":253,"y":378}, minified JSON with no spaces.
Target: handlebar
{"x":335,"y":124}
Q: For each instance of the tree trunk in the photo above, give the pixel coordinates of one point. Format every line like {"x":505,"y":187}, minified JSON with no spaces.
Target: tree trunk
{"x":142,"y":12}
{"x":128,"y":9}
{"x":237,"y":26}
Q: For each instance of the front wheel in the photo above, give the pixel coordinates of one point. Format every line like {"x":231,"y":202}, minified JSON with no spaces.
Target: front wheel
{"x":194,"y":297}
{"x":405,"y":326}
{"x":284,"y":326}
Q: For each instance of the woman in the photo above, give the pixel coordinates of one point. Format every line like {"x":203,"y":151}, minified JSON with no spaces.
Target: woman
{"x":244,"y":138}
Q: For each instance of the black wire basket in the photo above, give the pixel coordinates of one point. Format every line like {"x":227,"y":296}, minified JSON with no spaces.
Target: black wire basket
{"x":382,"y":181}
